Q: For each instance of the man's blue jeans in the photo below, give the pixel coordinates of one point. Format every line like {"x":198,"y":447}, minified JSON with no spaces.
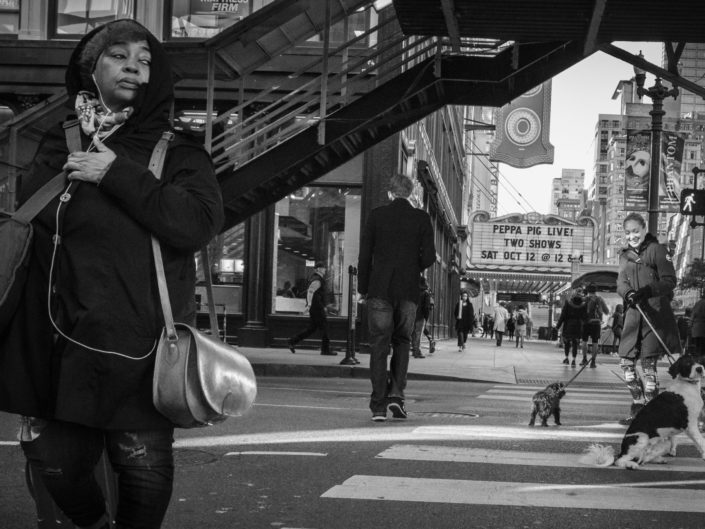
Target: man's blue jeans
{"x":389,"y":323}
{"x":66,"y":454}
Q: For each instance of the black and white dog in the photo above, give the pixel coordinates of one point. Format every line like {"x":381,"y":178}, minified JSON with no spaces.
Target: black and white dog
{"x":651,"y":435}
{"x":546,"y":403}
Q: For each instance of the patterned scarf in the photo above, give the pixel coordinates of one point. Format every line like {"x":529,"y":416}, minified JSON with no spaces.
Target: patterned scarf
{"x":93,"y":116}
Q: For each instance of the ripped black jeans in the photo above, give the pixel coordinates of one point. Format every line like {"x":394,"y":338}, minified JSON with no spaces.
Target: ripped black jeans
{"x":66,"y":455}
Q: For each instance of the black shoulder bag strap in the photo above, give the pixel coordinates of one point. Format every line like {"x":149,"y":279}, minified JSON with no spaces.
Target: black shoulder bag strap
{"x":56,"y":185}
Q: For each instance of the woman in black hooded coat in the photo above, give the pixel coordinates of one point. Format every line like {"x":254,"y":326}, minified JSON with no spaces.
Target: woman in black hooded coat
{"x":77,"y":360}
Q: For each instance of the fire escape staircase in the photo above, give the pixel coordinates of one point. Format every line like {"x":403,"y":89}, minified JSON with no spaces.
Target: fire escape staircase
{"x":288,"y":136}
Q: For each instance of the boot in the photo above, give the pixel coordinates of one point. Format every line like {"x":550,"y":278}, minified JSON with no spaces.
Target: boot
{"x":635,"y":408}
{"x":565,"y":360}
{"x":584,"y":362}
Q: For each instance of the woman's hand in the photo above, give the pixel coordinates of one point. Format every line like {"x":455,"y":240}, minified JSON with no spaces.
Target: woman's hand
{"x":90,"y":166}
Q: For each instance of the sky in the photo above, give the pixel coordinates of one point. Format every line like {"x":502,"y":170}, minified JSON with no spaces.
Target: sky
{"x":579,"y":95}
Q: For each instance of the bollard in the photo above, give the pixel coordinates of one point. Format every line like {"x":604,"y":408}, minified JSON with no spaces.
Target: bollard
{"x":350,"y":359}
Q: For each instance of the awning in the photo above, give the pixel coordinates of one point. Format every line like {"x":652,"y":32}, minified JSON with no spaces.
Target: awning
{"x":520,"y":280}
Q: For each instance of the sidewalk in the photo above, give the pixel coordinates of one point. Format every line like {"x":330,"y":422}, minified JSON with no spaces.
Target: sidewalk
{"x":538,"y":363}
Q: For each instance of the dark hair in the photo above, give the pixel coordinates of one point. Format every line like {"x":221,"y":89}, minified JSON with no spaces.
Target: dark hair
{"x":591,"y":288}
{"x":401,"y":185}
{"x":319,"y":264}
{"x":635,"y":217}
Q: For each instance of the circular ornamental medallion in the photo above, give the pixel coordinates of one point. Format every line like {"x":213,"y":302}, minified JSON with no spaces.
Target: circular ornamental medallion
{"x":522,"y":126}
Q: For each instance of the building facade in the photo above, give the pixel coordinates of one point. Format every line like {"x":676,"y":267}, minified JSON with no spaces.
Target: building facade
{"x":261,"y":265}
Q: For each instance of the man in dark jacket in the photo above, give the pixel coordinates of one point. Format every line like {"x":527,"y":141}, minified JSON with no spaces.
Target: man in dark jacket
{"x":397,"y":245}
{"x":423,"y":312}
{"x":316,"y":307}
{"x":596,"y":309}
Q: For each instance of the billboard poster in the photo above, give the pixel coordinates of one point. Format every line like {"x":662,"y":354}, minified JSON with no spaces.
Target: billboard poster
{"x":637,"y":169}
{"x":672,"y":147}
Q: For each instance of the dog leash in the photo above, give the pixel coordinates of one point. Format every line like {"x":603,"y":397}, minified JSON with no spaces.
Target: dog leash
{"x":658,"y":336}
{"x":575,"y":376}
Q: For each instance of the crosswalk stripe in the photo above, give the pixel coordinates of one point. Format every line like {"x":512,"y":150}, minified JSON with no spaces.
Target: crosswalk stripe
{"x":456,"y":454}
{"x":623,"y":497}
{"x":566,"y":399}
{"x":531,"y":391}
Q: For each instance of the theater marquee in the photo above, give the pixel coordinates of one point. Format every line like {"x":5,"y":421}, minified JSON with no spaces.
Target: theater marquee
{"x":531,"y":240}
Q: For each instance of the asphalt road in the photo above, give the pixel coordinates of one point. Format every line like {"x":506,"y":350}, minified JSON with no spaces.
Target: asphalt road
{"x":308,"y":457}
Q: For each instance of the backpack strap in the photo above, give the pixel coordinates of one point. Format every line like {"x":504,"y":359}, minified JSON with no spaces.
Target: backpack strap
{"x":53,"y":187}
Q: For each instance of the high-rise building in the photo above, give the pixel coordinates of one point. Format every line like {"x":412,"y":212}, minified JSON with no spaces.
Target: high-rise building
{"x":484,"y":173}
{"x":569,"y":199}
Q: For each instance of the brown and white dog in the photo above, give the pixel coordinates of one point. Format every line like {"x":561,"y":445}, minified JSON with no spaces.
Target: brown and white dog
{"x":651,"y":435}
{"x":546,"y":403}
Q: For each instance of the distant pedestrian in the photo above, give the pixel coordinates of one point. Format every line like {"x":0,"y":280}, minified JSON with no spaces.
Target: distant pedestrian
{"x":511,"y":325}
{"x":316,"y":308}
{"x":464,"y":319}
{"x":596,"y":309}
{"x":697,"y":327}
{"x":572,"y":318}
{"x":522,"y":321}
{"x":684,"y":326}
{"x":397,"y":244}
{"x":617,"y":324}
{"x":490,"y":326}
{"x":501,"y":315}
{"x":423,"y":312}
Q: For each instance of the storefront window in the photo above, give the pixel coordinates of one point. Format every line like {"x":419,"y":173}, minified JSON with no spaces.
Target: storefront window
{"x":316,"y":223}
{"x":78,"y":17}
{"x":205,"y":18}
{"x":9,"y":17}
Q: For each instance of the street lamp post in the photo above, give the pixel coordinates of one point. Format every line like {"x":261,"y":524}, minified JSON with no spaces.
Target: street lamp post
{"x":657,"y":94}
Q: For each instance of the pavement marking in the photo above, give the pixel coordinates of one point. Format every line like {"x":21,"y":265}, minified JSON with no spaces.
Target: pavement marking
{"x":272,"y":453}
{"x":457,"y":454}
{"x":398,"y":431}
{"x":566,"y":399}
{"x":300,"y":406}
{"x":569,"y":392}
{"x":9,"y":443}
{"x":623,"y":497}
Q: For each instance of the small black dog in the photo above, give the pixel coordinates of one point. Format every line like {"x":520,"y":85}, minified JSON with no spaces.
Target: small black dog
{"x":546,"y":403}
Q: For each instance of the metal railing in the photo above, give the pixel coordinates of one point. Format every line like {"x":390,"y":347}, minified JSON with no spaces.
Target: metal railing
{"x":279,"y":112}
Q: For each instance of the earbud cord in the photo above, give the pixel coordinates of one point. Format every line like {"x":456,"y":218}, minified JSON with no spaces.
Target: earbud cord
{"x":56,"y":239}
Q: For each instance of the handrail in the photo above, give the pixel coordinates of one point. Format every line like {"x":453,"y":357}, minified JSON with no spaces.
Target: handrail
{"x":273,"y":118}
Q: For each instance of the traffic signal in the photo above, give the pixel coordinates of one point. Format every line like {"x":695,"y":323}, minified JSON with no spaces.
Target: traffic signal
{"x":693,"y":202}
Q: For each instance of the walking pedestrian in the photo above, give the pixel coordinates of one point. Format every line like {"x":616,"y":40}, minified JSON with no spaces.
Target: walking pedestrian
{"x":596,"y":309}
{"x":646,"y":280}
{"x":572,"y":318}
{"x":423,"y":312}
{"x":464,"y":319}
{"x":501,"y":315}
{"x":522,"y":321}
{"x":77,"y":360}
{"x":697,"y":328}
{"x":685,"y":323}
{"x":511,"y":325}
{"x":397,"y":245}
{"x":617,"y":325}
{"x":316,"y":306}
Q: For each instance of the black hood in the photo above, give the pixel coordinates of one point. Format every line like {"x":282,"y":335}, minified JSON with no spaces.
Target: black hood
{"x":151,"y":115}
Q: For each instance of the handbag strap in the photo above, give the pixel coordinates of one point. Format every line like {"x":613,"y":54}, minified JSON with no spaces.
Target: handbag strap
{"x":156,"y":164}
{"x":56,"y":185}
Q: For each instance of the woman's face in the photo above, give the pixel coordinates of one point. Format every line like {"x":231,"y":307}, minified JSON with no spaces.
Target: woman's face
{"x":639,"y":162}
{"x":119,"y":72}
{"x":464,"y":296}
{"x":634,"y":232}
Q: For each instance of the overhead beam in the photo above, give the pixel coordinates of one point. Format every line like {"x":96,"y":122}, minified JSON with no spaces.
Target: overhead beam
{"x":448,"y":7}
{"x":598,"y":11}
{"x":635,"y":60}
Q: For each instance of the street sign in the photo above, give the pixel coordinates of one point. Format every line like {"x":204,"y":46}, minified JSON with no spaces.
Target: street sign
{"x":693,"y":202}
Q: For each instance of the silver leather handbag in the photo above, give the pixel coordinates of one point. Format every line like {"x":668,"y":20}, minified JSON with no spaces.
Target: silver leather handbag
{"x":198,"y":379}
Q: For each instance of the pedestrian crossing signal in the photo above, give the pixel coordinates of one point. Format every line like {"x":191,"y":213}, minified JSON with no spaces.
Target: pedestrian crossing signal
{"x":693,"y":202}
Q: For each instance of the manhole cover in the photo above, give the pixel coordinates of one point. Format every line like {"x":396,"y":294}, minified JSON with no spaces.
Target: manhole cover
{"x":189,"y":457}
{"x":446,"y":415}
